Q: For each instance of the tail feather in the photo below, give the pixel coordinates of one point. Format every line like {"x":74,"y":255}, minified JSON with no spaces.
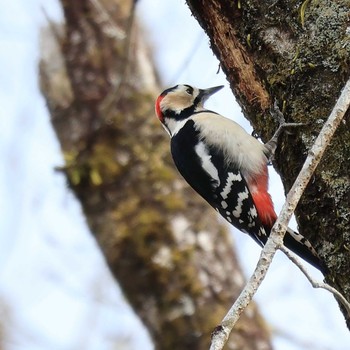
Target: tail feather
{"x":266,"y":212}
{"x":302,"y":247}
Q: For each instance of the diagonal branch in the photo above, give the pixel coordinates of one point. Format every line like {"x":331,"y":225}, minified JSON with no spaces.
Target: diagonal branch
{"x":275,"y":241}
{"x":315,"y":284}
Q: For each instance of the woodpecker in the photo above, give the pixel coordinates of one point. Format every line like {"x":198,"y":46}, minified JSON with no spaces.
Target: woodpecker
{"x":224,"y":164}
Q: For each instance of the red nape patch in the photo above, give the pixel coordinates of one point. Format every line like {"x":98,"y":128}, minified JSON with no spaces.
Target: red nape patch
{"x":158,"y":109}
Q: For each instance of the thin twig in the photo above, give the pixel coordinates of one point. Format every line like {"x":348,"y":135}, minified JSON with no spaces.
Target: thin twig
{"x":275,"y":241}
{"x":313,"y":282}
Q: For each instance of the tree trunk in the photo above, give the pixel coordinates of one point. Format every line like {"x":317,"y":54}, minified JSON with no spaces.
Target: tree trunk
{"x":298,"y":53}
{"x":166,"y":248}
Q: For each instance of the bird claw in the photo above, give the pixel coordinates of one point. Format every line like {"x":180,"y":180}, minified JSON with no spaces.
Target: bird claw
{"x":277,"y":114}
{"x":283,"y":125}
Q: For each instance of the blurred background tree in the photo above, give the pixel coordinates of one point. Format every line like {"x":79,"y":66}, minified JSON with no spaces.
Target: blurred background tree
{"x":173,"y":259}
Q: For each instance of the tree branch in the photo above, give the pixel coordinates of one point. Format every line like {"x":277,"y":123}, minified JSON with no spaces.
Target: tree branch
{"x":315,"y":284}
{"x":275,"y":241}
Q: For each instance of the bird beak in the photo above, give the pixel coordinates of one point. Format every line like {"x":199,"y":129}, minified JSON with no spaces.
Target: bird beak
{"x":204,"y":94}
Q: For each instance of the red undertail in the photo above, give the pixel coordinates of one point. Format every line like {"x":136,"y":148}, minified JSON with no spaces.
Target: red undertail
{"x":262,"y":199}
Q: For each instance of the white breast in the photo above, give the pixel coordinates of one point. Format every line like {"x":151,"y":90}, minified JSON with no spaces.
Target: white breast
{"x":238,"y":146}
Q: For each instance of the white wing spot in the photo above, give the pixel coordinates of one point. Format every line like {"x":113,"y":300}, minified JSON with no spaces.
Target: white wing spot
{"x":241,"y":197}
{"x":300,"y":238}
{"x":207,"y":164}
{"x":224,"y":204}
{"x":253,"y":212}
{"x":261,"y":232}
{"x":231,"y":177}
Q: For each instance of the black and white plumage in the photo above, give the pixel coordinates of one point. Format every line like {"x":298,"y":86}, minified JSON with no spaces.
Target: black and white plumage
{"x":224,"y":164}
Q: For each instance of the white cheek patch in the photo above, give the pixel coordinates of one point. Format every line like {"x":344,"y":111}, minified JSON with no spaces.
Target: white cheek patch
{"x":176,"y":101}
{"x":207,"y":164}
{"x":173,"y":126}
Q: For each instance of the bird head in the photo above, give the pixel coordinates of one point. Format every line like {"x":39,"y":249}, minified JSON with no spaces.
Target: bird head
{"x":179,"y":102}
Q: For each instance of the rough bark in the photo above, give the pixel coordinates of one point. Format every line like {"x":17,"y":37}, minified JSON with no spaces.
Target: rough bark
{"x":171,"y":256}
{"x":297,"y":52}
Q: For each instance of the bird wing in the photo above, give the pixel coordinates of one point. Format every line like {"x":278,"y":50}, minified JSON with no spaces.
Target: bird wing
{"x":208,"y":172}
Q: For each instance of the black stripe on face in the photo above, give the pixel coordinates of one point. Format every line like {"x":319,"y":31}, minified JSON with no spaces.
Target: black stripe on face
{"x":165,"y":92}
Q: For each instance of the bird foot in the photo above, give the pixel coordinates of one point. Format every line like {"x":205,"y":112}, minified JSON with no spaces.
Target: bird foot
{"x":271,"y":145}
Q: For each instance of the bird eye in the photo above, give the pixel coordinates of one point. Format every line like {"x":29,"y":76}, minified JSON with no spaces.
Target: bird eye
{"x":189,"y":90}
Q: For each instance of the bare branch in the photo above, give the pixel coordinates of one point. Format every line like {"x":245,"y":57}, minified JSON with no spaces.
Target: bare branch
{"x":275,"y":241}
{"x":314,"y":283}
